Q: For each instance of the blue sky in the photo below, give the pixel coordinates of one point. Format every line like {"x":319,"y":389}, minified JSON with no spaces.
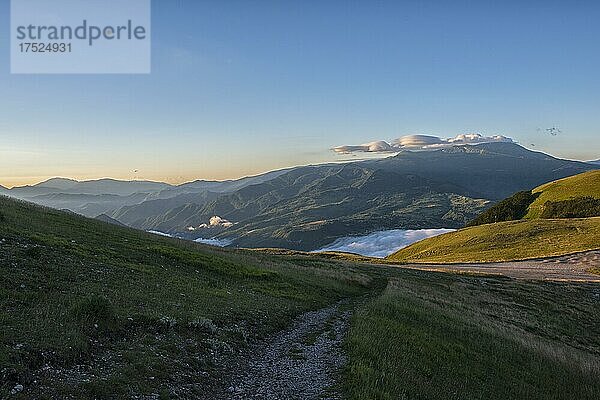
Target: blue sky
{"x":241,"y":87}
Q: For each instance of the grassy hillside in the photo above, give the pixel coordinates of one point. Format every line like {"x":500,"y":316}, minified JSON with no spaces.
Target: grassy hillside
{"x":442,"y":336}
{"x":93,"y":310}
{"x":90,"y":310}
{"x":487,"y":240}
{"x":504,"y":241}
{"x":582,"y":185}
{"x":575,"y":196}
{"x":511,"y":209}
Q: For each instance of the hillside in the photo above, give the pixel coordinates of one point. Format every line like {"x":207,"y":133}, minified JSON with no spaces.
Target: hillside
{"x":109,"y":220}
{"x":530,"y":228}
{"x":576,"y":196}
{"x":78,"y":296}
{"x":506,"y":241}
{"x":582,"y":185}
{"x":148,"y":214}
{"x":91,"y":310}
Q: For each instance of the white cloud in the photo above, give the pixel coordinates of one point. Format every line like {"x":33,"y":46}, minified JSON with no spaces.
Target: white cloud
{"x":383,"y":243}
{"x":215,"y":242}
{"x":420,"y":142}
{"x":211,"y":242}
{"x":373,"y":147}
{"x":160,"y":233}
{"x":214,"y":222}
{"x":218,"y":221}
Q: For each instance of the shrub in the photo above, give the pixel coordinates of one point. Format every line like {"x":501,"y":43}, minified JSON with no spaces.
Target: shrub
{"x":2,"y":217}
{"x":578,"y":207}
{"x":166,"y":322}
{"x":95,"y":311}
{"x":510,"y":209}
{"x":204,"y":325}
{"x":33,"y":252}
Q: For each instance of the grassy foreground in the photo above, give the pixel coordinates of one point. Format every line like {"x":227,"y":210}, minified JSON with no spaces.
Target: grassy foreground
{"x":92,"y":310}
{"x":440,"y":336}
{"x":505,"y":241}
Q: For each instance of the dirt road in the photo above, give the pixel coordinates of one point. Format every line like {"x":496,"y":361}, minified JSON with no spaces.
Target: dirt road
{"x":565,"y":268}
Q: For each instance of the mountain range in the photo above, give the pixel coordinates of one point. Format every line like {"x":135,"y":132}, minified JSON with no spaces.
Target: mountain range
{"x":307,"y":207}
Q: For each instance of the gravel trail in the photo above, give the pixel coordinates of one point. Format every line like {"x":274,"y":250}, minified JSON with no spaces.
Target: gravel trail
{"x":302,"y":362}
{"x":572,"y":267}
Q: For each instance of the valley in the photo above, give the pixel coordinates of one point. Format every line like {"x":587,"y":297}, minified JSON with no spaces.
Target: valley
{"x":310,"y":207}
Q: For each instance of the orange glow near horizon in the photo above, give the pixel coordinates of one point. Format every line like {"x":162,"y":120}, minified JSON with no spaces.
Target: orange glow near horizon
{"x":11,"y":182}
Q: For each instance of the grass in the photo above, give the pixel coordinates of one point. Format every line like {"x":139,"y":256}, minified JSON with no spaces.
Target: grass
{"x":506,"y":241}
{"x":582,"y":185}
{"x":528,"y":238}
{"x":441,"y":336}
{"x":137,"y":313}
{"x":90,"y":310}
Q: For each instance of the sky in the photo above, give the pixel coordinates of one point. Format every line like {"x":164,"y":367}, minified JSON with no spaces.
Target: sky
{"x":239,"y":88}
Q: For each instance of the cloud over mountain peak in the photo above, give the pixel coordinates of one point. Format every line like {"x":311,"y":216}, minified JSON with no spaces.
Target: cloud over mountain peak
{"x":419,"y":142}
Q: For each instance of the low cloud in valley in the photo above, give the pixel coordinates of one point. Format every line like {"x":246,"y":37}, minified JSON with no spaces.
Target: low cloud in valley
{"x":383,"y":243}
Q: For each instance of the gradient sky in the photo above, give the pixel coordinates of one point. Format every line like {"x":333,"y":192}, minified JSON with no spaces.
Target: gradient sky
{"x":241,"y":87}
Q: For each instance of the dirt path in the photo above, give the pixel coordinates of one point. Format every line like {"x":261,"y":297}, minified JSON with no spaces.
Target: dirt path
{"x":302,"y":362}
{"x":565,"y":268}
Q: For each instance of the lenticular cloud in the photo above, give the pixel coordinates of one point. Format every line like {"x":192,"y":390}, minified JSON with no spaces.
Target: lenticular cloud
{"x":420,"y":142}
{"x":383,"y":243}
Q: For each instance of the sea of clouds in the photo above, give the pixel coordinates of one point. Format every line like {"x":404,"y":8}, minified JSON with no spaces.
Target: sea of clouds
{"x":383,"y":243}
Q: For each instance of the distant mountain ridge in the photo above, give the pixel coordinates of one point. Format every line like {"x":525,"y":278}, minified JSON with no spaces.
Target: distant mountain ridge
{"x":220,"y":186}
{"x":58,"y":183}
{"x":107,"y":219}
{"x":98,"y":186}
{"x":102,"y":196}
{"x":308,"y":207}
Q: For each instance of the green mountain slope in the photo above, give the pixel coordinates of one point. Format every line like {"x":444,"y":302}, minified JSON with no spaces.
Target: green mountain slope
{"x":531,"y":237}
{"x":92,"y":310}
{"x":443,"y":336}
{"x":573,"y":196}
{"x":506,"y":241}
{"x":148,"y":214}
{"x":582,"y":185}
